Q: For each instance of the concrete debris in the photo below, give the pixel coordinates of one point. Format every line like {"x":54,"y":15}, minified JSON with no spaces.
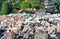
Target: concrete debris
{"x":34,"y":27}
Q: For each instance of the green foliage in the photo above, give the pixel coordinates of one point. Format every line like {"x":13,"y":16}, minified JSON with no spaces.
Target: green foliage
{"x":35,"y":6}
{"x":41,"y":5}
{"x":21,"y":1}
{"x":0,"y":12}
{"x":38,"y":4}
{"x":14,"y":11}
{"x":1,"y":1}
{"x":5,"y":8}
{"x":10,"y":8}
{"x":25,"y":5}
{"x":57,"y":1}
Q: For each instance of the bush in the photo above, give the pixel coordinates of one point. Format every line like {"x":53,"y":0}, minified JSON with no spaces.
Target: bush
{"x":25,"y":5}
{"x":5,"y":8}
{"x":10,"y":8}
{"x":42,"y":5}
{"x":35,"y":6}
{"x":14,"y":11}
{"x":0,"y":12}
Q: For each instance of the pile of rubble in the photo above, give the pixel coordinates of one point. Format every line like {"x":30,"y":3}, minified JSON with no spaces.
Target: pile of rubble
{"x":34,"y":27}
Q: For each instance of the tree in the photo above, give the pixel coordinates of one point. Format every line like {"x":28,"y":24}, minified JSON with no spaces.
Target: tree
{"x":5,"y":8}
{"x":35,"y":6}
{"x":1,"y":1}
{"x":10,"y":8}
{"x":25,"y":5}
{"x":38,"y":4}
{"x":14,"y":11}
{"x":57,"y":1}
